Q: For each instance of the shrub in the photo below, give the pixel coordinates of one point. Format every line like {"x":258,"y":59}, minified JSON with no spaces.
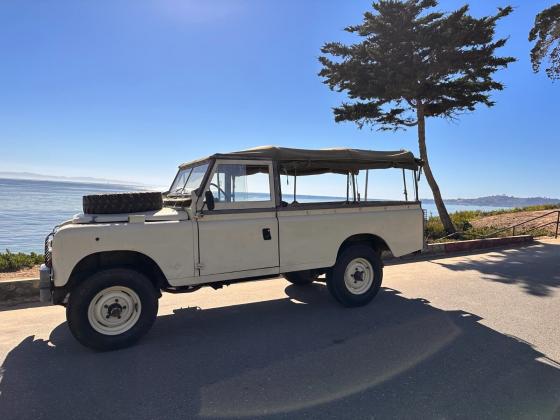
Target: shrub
{"x":10,"y":261}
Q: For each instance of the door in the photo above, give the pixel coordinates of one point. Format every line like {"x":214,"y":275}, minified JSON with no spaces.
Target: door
{"x":241,"y":234}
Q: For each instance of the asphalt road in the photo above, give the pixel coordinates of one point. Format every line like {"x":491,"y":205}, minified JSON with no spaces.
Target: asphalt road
{"x":464,"y":337}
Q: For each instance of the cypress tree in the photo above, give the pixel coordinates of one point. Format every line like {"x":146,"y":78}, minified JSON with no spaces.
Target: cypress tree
{"x":547,"y":34}
{"x":413,"y":63}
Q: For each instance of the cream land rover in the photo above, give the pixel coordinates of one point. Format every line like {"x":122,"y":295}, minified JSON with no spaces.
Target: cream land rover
{"x":109,"y":265}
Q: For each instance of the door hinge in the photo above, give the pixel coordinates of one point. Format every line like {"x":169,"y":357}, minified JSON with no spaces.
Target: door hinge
{"x":199,"y":266}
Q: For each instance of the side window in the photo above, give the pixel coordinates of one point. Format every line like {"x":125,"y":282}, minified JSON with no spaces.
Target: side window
{"x":241,"y":183}
{"x":320,"y":188}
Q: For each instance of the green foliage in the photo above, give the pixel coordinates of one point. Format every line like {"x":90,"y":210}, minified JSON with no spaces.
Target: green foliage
{"x":434,"y":229}
{"x":16,"y":261}
{"x":539,"y":207}
{"x":411,"y":57}
{"x":531,"y":208}
{"x":546,"y":32}
{"x":461,"y":220}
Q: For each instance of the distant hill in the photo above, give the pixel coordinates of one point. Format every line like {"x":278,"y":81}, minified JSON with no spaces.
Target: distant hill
{"x":499,"y":201}
{"x":83,"y":179}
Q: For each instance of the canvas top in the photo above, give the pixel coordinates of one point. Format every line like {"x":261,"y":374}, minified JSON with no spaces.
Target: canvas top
{"x":339,"y":160}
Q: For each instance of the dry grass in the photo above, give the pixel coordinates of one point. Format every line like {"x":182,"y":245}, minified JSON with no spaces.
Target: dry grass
{"x":508,"y":219}
{"x":475,"y":224}
{"x":24,"y":273}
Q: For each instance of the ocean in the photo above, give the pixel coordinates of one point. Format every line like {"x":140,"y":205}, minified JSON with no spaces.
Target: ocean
{"x":29,"y":209}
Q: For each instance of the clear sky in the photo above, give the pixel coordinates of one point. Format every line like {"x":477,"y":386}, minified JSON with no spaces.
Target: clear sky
{"x":130,"y":89}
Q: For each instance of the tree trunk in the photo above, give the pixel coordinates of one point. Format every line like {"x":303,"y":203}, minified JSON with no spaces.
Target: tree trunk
{"x":443,"y":214}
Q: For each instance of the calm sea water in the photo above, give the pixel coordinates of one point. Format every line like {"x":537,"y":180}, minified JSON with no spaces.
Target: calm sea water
{"x":30,"y":209}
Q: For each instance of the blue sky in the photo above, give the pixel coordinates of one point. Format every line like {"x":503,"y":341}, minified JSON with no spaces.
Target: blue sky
{"x":129,"y":89}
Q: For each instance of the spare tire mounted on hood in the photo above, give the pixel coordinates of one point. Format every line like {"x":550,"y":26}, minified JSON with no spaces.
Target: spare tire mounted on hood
{"x":132,"y":202}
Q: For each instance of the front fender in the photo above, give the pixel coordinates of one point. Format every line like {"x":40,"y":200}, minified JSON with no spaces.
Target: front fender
{"x":168,"y":243}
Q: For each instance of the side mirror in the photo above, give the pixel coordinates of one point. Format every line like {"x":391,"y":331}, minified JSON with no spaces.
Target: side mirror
{"x":209,"y":198}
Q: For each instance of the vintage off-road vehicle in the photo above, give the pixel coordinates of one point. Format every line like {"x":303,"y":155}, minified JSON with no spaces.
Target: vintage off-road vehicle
{"x":109,"y":265}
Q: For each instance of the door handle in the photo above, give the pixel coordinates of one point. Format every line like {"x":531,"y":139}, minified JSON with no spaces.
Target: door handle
{"x":266,"y":234}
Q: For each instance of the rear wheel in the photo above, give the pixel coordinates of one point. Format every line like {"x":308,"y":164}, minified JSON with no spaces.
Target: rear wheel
{"x":300,"y":277}
{"x":356,"y":277}
{"x":112,"y":309}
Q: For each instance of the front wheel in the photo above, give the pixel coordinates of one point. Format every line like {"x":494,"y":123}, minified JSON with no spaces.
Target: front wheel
{"x":112,"y":309}
{"x":356,"y":277}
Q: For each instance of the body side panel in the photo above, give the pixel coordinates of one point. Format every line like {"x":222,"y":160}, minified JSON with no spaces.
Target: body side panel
{"x":311,"y":238}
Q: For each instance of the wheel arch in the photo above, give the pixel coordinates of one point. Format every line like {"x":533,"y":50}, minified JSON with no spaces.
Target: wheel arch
{"x":369,"y":239}
{"x":112,"y":259}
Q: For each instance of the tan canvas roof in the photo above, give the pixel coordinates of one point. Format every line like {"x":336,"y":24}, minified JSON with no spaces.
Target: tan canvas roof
{"x":306,"y":162}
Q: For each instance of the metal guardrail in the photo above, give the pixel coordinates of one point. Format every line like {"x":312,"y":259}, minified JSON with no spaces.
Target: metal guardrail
{"x":514,"y":227}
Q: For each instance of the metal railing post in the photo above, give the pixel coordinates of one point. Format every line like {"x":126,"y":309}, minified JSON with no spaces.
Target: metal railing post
{"x":295,"y":184}
{"x":354,"y":187}
{"x":347,"y":187}
{"x":557,"y":224}
{"x":404,"y":182}
{"x":367,"y":179}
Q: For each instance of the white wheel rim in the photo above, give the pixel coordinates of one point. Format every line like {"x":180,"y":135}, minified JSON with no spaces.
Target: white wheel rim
{"x":358,"y":276}
{"x":114,"y":310}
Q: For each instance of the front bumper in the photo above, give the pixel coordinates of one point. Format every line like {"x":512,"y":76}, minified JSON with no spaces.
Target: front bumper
{"x":45,"y":284}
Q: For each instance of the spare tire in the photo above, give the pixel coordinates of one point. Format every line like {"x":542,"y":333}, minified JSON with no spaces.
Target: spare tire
{"x":122,"y":203}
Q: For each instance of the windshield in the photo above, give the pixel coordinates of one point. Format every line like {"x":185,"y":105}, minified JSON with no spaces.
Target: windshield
{"x":188,"y":179}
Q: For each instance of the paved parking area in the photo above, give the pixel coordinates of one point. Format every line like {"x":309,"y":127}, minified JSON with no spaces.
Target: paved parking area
{"x":464,"y":337}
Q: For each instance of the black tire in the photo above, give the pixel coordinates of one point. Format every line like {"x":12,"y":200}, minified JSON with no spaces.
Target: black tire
{"x":337,"y":285}
{"x":122,"y":203}
{"x":83,"y":294}
{"x":300,"y":278}
{"x":329,"y":286}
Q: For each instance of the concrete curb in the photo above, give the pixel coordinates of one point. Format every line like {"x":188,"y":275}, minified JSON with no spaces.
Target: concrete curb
{"x":474,"y":244}
{"x":28,"y":289}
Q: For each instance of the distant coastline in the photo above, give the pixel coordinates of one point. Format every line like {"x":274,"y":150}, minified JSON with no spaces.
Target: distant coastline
{"x":59,"y":178}
{"x":498,"y":201}
{"x":92,"y":181}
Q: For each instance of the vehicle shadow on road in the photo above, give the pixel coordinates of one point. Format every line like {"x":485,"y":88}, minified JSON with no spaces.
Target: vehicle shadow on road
{"x":535,"y":268}
{"x":301,"y":356}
